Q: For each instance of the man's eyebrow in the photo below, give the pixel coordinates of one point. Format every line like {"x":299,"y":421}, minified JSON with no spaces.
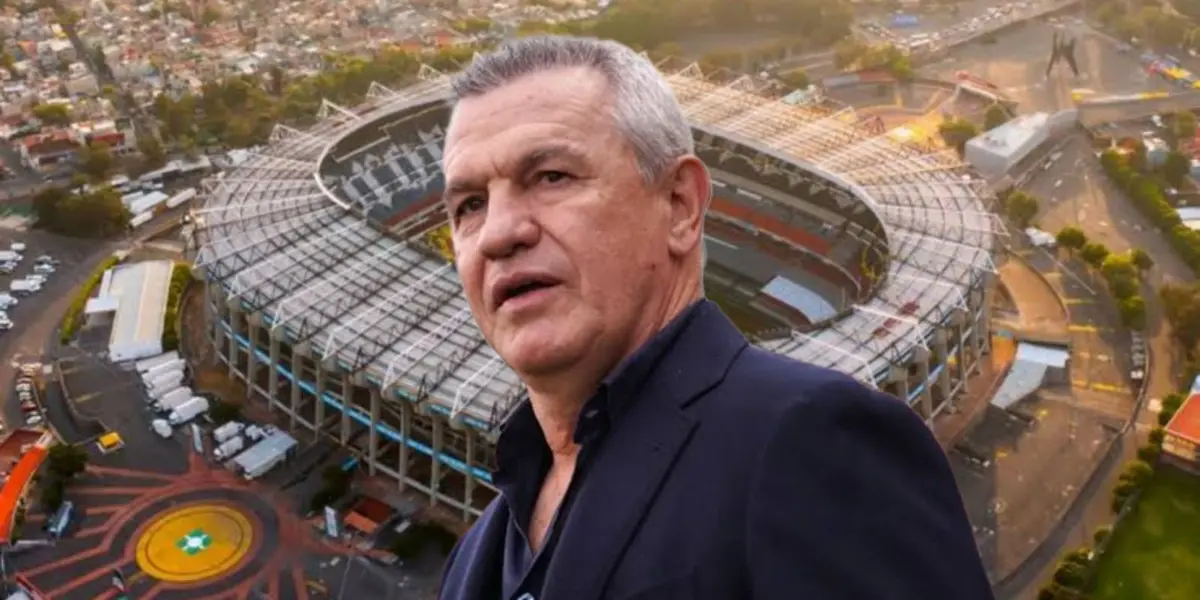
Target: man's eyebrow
{"x":526,"y":163}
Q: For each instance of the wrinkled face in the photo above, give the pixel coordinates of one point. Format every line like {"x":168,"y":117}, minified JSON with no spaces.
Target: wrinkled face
{"x":557,"y":238}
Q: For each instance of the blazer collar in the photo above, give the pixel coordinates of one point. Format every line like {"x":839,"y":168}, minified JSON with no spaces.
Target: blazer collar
{"x":633,"y":460}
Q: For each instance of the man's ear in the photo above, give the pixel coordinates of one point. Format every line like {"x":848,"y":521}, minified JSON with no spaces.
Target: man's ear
{"x":690,"y":191}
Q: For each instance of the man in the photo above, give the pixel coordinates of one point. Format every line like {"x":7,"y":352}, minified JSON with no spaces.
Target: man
{"x":659,"y":456}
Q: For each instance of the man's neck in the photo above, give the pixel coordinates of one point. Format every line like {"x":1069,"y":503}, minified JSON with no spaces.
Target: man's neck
{"x":558,"y":400}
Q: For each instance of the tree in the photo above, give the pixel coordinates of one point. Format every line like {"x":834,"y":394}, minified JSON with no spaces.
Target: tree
{"x":995,"y":116}
{"x":153,"y":154}
{"x":1181,"y":306}
{"x":1176,"y":168}
{"x":795,"y":79}
{"x":51,"y":495}
{"x":1133,"y":312}
{"x":223,"y":411}
{"x":96,"y":161}
{"x":66,"y":461}
{"x":1021,"y":208}
{"x":53,"y":114}
{"x":1094,"y":253}
{"x":1141,"y":259}
{"x":957,"y":132}
{"x":1071,"y":238}
{"x":46,"y":206}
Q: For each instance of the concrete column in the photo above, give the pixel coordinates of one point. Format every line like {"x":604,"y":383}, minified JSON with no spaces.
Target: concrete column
{"x":347,"y":402}
{"x":319,"y":408}
{"x":435,"y":470}
{"x":252,"y":362}
{"x":899,"y":376}
{"x":275,"y":376}
{"x":297,"y":352}
{"x":373,"y":434}
{"x":405,"y":433}
{"x":235,"y":329}
{"x":212,"y":305}
{"x":210,"y":317}
{"x":469,"y":488}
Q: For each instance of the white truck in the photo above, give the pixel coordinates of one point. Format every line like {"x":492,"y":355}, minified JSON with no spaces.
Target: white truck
{"x":229,"y":447}
{"x":161,"y":427}
{"x":173,"y":400}
{"x":10,"y":256}
{"x":188,"y":410}
{"x":157,"y":394}
{"x":162,"y":380}
{"x":227,"y":431}
{"x":22,"y":287}
{"x":149,"y":363}
{"x":265,"y":455}
{"x":174,"y":365}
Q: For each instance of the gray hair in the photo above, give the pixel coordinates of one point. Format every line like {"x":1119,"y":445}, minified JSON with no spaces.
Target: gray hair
{"x":645,"y":110}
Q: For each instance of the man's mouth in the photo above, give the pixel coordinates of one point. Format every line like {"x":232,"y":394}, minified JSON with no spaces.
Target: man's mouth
{"x":522,"y":287}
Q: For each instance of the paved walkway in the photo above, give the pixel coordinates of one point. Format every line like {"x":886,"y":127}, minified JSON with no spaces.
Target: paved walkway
{"x":1040,"y":312}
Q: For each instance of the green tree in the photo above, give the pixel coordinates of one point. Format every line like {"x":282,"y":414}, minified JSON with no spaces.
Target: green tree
{"x":96,"y":160}
{"x":1021,"y":208}
{"x":1141,"y":259}
{"x":995,"y":116}
{"x":1071,"y":238}
{"x":53,"y":114}
{"x":1176,"y":168}
{"x":1094,"y":253}
{"x":957,"y":132}
{"x":223,"y":411}
{"x":1181,"y":307}
{"x":153,"y":154}
{"x":66,"y":461}
{"x":1133,"y":312}
{"x":795,"y":79}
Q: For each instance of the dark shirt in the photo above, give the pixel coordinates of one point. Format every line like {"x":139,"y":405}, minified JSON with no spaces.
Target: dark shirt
{"x":524,"y":459}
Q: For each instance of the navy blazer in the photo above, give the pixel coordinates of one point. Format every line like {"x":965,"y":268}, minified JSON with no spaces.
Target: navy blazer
{"x":737,"y":474}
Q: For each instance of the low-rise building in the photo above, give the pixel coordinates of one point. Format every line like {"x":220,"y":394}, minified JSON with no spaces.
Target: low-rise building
{"x":1181,"y":439}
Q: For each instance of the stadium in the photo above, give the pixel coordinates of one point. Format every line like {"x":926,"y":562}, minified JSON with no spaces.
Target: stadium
{"x":329,"y":291}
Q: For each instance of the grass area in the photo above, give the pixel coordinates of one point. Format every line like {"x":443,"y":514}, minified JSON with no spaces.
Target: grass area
{"x":1155,"y":551}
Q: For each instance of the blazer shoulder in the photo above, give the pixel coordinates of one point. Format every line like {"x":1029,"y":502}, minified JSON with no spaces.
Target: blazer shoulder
{"x":762,"y":387}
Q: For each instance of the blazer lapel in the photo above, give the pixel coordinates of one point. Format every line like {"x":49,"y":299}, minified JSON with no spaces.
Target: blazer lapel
{"x":616,"y":492}
{"x":476,"y":574}
{"x":636,"y":456}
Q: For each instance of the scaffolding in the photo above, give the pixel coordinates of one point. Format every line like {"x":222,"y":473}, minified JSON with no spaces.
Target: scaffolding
{"x":283,"y":242}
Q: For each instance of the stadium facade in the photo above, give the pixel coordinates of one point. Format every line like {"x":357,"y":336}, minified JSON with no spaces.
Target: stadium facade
{"x":328,"y":293}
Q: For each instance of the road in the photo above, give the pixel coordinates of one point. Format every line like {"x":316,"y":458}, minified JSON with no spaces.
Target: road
{"x":1076,"y":192}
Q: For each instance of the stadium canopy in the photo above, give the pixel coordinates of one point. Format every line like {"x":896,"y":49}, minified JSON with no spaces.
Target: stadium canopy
{"x":276,"y":236}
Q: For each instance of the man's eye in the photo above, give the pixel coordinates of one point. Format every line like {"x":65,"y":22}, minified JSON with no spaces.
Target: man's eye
{"x":552,"y":176}
{"x":469,"y":205}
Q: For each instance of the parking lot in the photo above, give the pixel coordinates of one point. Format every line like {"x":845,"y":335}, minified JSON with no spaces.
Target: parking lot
{"x":1019,"y":471}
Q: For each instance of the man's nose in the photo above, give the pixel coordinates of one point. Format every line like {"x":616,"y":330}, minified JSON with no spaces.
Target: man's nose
{"x":509,"y":226}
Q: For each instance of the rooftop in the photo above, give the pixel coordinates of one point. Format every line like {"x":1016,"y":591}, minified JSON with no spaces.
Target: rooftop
{"x":1186,"y":422}
{"x":138,"y":295}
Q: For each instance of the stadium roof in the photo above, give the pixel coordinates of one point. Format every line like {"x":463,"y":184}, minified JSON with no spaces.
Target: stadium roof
{"x":276,"y":237}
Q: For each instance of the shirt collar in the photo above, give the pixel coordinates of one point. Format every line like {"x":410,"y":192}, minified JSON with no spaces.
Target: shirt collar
{"x":520,"y":435}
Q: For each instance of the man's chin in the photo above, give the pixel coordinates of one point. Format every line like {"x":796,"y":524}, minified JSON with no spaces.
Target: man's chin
{"x":531,"y":355}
